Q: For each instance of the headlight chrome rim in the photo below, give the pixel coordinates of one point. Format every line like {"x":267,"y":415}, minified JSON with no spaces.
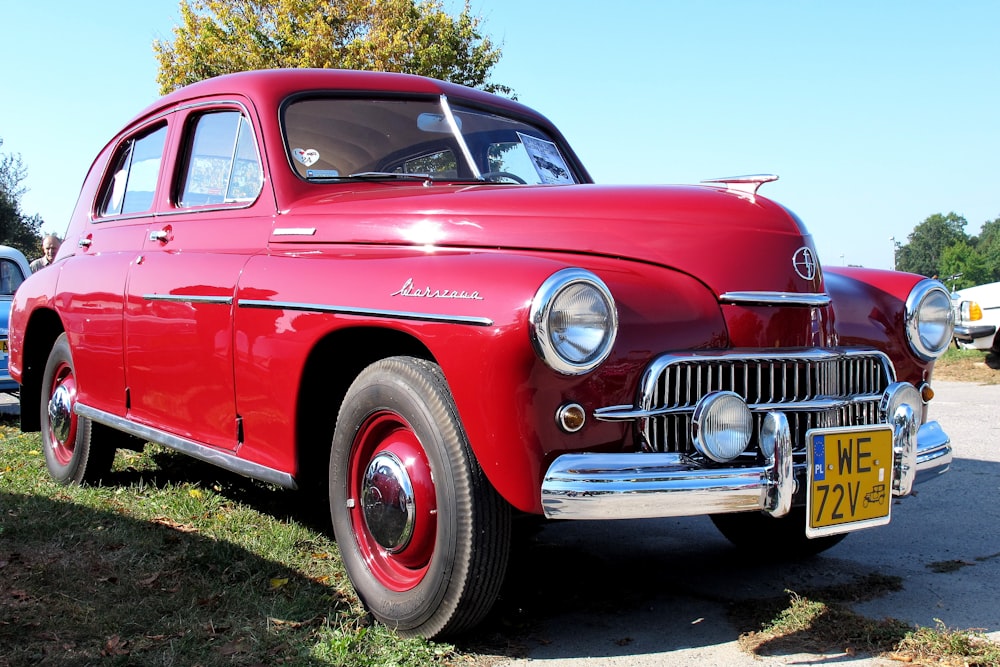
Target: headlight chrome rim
{"x":929,"y":338}
{"x":723,"y":408}
{"x":546,"y":305}
{"x":897,"y":394}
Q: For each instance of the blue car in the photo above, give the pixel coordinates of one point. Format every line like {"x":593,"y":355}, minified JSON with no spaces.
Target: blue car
{"x":13,"y":270}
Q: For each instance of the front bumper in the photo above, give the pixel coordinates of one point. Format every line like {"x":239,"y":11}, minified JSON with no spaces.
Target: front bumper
{"x":651,"y":485}
{"x":974,"y":337}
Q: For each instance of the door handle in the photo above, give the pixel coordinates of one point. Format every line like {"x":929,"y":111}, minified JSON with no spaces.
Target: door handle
{"x":158,"y":235}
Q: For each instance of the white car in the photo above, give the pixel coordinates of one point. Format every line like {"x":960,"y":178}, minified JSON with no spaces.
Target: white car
{"x":977,"y":316}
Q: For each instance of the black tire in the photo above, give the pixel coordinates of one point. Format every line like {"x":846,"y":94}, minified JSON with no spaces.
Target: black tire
{"x":762,"y":536}
{"x":71,"y":456}
{"x":436,"y":570}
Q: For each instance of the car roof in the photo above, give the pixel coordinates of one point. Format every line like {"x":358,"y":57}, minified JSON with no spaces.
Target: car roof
{"x":6,"y":252}
{"x":272,"y":86}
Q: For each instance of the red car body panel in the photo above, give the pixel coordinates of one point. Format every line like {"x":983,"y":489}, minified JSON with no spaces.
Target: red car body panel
{"x":453,"y":265}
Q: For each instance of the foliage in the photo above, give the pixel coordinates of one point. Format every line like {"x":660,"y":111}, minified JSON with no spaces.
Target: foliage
{"x":224,"y":36}
{"x":16,"y":229}
{"x":939,"y":246}
{"x":943,"y":645}
{"x":927,"y":243}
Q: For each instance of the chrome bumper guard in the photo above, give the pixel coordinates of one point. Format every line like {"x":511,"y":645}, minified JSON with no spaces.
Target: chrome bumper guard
{"x":652,"y":485}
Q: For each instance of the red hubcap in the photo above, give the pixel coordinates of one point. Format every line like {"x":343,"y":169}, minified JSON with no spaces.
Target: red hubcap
{"x":399,"y":565}
{"x":62,"y":422}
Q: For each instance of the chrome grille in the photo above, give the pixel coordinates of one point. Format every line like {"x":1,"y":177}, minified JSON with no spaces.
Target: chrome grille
{"x":813,"y":388}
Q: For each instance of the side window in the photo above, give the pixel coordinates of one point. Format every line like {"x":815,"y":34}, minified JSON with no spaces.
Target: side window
{"x":223,"y":166}
{"x":10,"y":277}
{"x":136,"y":171}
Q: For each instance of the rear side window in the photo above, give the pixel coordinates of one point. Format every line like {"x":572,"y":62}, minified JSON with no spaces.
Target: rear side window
{"x":223,"y":166}
{"x":136,"y":170}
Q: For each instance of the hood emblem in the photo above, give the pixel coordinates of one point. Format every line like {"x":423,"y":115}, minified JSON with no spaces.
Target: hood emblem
{"x":804,"y":263}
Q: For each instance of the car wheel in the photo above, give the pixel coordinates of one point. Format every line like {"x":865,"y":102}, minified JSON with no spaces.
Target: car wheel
{"x":423,"y":535}
{"x":764,"y":536}
{"x":69,"y":453}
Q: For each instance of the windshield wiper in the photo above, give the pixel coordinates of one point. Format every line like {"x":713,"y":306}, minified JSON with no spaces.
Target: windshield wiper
{"x":372,"y":176}
{"x":390,"y":175}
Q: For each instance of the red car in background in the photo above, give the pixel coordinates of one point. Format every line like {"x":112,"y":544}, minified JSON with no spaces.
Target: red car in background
{"x":410,"y":294}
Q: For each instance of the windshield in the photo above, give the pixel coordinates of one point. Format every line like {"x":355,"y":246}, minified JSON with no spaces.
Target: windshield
{"x":331,"y":139}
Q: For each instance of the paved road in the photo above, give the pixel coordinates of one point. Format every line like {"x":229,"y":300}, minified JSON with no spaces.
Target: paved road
{"x":655,"y":592}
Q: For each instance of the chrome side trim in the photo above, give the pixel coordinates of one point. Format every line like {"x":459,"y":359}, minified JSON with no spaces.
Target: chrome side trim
{"x":190,"y":447}
{"x":804,"y":299}
{"x":367,"y":312}
{"x":189,"y":298}
{"x":294,"y":231}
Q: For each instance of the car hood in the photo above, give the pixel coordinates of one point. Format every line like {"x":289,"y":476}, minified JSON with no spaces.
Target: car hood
{"x":730,"y":241}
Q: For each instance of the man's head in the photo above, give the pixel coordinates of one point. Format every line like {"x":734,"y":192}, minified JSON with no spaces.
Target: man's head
{"x":50,"y":246}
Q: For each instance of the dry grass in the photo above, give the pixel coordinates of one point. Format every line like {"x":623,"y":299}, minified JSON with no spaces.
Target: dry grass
{"x":968,"y":366}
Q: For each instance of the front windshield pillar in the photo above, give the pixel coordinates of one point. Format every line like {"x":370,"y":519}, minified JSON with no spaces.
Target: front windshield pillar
{"x":457,"y":132}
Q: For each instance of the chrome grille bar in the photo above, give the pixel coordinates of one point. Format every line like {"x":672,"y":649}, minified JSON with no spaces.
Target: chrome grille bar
{"x":815,"y":388}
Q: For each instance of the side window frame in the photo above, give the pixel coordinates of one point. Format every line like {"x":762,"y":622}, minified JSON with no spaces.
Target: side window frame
{"x":119,"y":174}
{"x":245,"y":138}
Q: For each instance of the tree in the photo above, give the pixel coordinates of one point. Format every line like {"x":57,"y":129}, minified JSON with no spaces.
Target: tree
{"x":223,"y":36}
{"x":988,"y":247}
{"x":927,"y":242}
{"x":16,"y":229}
{"x":963,"y":266}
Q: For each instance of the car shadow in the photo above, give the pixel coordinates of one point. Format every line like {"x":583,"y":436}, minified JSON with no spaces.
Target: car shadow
{"x":96,"y":587}
{"x":628,"y":588}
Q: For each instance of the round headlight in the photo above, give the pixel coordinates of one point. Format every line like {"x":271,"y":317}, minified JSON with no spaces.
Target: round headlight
{"x":901,"y":393}
{"x":721,"y":426}
{"x":573,"y":321}
{"x":930,"y":319}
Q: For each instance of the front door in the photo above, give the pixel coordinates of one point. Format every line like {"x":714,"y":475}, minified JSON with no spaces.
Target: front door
{"x":179,"y":311}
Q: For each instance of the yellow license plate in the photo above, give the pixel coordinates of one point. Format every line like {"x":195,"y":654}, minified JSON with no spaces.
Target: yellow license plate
{"x":850,"y":479}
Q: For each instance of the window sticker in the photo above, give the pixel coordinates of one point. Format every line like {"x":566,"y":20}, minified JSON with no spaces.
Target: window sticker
{"x":549,"y":163}
{"x":322,"y":173}
{"x":307,"y":156}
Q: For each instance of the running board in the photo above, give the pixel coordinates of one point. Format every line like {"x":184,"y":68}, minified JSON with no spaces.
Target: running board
{"x":193,"y":449}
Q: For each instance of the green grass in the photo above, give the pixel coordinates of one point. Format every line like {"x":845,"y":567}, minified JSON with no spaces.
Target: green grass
{"x":172,"y":562}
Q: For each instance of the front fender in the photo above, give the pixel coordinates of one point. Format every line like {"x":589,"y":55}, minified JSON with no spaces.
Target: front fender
{"x":870,"y":310}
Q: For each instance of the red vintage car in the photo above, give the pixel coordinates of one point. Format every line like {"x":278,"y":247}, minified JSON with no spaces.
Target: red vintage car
{"x":410,"y":294}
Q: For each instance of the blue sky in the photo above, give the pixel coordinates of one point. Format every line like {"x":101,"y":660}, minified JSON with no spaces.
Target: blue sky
{"x":874,"y":114}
